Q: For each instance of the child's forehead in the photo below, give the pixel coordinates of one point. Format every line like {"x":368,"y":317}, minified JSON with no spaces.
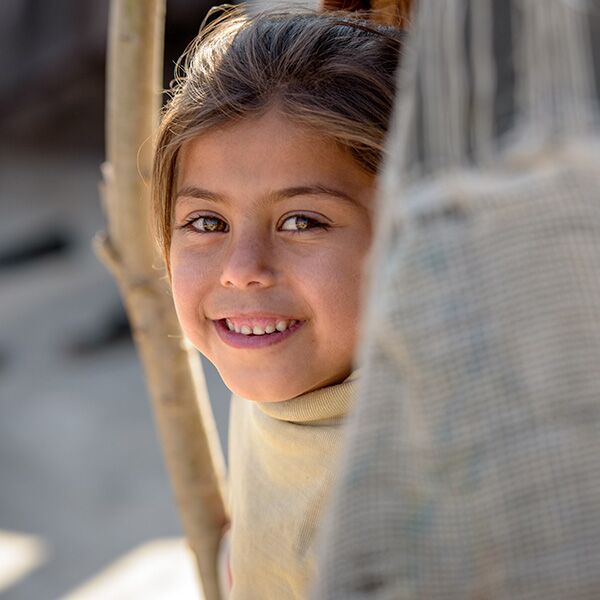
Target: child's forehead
{"x":268,"y":150}
{"x":272,"y":126}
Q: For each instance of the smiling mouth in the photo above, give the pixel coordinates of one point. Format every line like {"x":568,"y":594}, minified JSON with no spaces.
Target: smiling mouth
{"x":262,"y":328}
{"x":256,"y":333}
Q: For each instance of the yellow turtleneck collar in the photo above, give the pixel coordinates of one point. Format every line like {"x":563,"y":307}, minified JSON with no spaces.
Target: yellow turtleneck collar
{"x":326,"y":403}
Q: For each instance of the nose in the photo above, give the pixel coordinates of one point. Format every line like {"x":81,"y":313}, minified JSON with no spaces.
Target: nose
{"x":249,"y":262}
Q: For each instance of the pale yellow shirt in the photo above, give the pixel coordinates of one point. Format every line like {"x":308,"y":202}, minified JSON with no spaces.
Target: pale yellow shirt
{"x":282,"y":459}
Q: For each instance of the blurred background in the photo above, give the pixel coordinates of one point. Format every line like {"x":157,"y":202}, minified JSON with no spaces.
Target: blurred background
{"x":86,"y":510}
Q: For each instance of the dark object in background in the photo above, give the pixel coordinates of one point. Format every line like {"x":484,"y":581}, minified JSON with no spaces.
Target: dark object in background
{"x":110,"y":329}
{"x":37,"y":247}
{"x":347,"y":4}
{"x":52,"y":68}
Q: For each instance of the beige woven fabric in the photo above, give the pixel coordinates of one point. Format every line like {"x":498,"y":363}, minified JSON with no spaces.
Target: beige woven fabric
{"x":472,"y":467}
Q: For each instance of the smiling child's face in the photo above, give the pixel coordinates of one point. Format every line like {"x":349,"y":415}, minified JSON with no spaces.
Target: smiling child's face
{"x":271,"y":230}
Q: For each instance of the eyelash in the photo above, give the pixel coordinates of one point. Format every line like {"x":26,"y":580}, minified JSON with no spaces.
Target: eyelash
{"x":311,"y":222}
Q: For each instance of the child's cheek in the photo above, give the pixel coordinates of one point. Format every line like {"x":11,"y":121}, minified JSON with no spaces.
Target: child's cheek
{"x":189,"y":287}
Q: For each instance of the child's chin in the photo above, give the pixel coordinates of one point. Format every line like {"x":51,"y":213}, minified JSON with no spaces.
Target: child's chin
{"x":266,"y":393}
{"x":262,"y":396}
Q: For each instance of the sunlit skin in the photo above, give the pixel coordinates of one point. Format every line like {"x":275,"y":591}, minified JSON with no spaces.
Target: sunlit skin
{"x":272,"y":223}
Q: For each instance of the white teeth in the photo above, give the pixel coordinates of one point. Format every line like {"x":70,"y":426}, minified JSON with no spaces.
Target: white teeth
{"x":260,"y":329}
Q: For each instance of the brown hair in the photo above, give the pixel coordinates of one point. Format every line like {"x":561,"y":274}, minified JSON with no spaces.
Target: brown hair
{"x":331,"y":71}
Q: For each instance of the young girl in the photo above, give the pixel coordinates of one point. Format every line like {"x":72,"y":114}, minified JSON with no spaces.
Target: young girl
{"x":263,"y":186}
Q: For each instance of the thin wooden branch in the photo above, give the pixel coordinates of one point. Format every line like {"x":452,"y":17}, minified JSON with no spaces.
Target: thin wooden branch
{"x":175,"y":380}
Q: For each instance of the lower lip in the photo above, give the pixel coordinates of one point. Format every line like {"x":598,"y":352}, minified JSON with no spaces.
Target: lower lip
{"x":239,"y":340}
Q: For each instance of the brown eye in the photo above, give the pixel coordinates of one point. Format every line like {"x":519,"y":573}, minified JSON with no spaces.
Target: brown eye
{"x":301,"y":223}
{"x":209,"y":225}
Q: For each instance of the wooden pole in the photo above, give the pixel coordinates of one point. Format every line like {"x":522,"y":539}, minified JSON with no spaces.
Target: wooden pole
{"x":176,"y":383}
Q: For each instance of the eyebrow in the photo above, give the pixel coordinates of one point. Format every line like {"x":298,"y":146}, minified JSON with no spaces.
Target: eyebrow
{"x":191,"y":191}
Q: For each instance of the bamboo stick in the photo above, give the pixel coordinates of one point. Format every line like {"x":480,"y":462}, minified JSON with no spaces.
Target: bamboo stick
{"x":175,"y":380}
